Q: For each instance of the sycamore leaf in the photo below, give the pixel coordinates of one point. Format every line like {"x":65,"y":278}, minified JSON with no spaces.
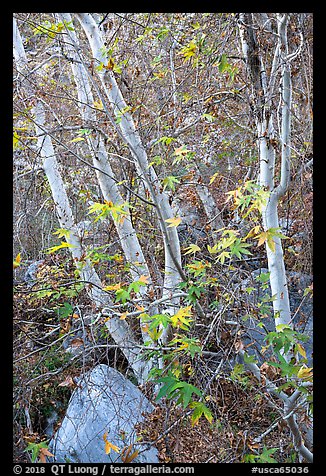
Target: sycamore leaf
{"x":253,"y":232}
{"x":223,"y":255}
{"x":169,"y":182}
{"x":180,"y":318}
{"x":16,"y":140}
{"x":301,"y":350}
{"x":213,"y":250}
{"x":63,"y":244}
{"x":112,"y":287}
{"x":17,"y":261}
{"x":305,"y":372}
{"x":268,"y":236}
{"x":62,"y":232}
{"x":175,"y":221}
{"x":109,"y":446}
{"x":192,"y":248}
{"x":110,"y":64}
{"x":68,"y":382}
{"x":181,"y":151}
{"x":213,"y":177}
{"x":43,"y":453}
{"x":262,"y":237}
{"x":124,"y":315}
{"x":98,"y":105}
{"x":143,"y":279}
{"x":188,"y":51}
{"x":127,"y":455}
{"x":200,"y":410}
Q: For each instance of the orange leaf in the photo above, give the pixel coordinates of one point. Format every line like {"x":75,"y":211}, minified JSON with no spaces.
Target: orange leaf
{"x":43,"y":453}
{"x":124,"y":315}
{"x":143,"y":279}
{"x":17,"y":261}
{"x":109,"y":446}
{"x":140,"y":308}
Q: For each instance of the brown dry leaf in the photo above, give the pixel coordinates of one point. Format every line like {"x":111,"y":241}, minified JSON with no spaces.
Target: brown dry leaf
{"x":238,"y":345}
{"x":126,"y":454}
{"x":76,"y":342}
{"x":68,"y":382}
{"x":43,"y":453}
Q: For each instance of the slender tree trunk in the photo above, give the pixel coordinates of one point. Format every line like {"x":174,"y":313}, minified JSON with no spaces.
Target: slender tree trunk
{"x":173,"y":271}
{"x":119,"y":330}
{"x":105,"y":175}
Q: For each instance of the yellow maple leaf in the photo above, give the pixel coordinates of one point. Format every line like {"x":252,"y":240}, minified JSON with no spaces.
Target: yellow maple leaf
{"x":301,"y":350}
{"x":305,"y":372}
{"x":175,"y":221}
{"x":109,"y":446}
{"x":98,"y":105}
{"x":17,"y":261}
{"x":112,"y":287}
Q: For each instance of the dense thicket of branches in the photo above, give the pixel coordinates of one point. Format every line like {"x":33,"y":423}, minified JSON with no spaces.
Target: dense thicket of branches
{"x":159,"y":159}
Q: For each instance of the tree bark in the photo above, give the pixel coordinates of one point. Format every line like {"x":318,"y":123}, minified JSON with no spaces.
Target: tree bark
{"x":119,"y":329}
{"x":173,"y":270}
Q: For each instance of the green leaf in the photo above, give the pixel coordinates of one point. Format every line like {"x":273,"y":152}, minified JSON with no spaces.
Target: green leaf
{"x":239,"y":248}
{"x":249,"y":359}
{"x":210,"y":118}
{"x":34,"y":448}
{"x":122,"y":295}
{"x":200,"y":410}
{"x":223,"y":63}
{"x":169,"y":182}
{"x":62,"y":233}
{"x":265,"y":456}
{"x":185,"y":391}
{"x":65,"y":310}
{"x":165,"y":140}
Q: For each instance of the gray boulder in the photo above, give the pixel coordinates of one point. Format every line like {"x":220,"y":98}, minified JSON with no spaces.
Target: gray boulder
{"x":301,"y":307}
{"x":104,"y":402}
{"x":30,"y":275}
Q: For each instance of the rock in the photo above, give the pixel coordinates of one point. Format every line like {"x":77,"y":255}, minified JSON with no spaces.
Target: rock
{"x":30,"y":275}
{"x":104,"y":402}
{"x":301,"y":308}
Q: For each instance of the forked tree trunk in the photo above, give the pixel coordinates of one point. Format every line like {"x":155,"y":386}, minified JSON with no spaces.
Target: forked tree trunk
{"x":263,"y":91}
